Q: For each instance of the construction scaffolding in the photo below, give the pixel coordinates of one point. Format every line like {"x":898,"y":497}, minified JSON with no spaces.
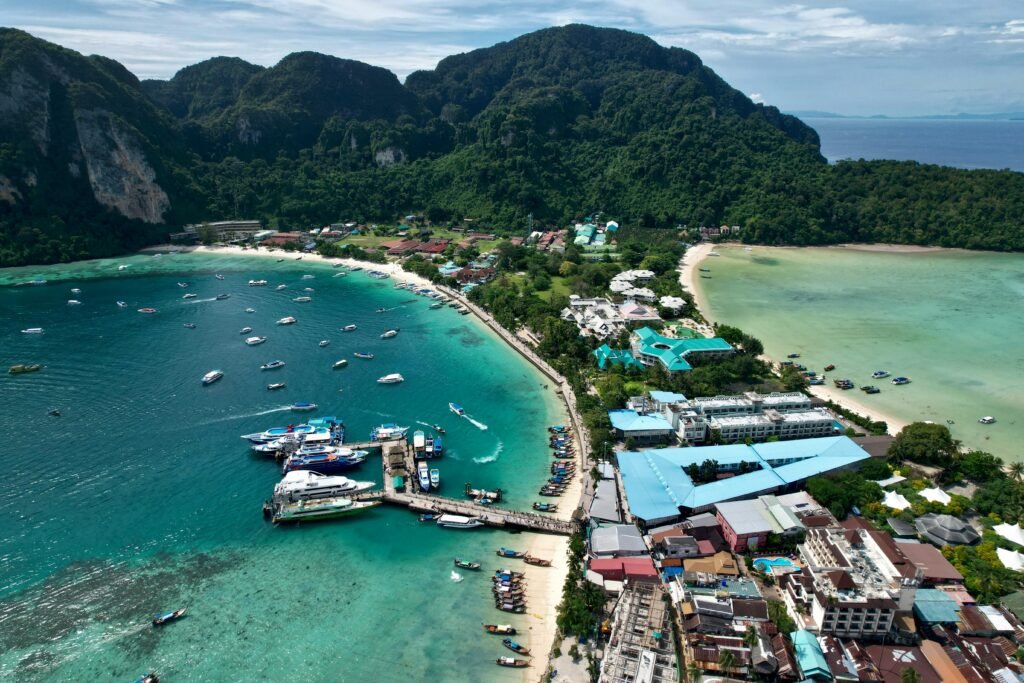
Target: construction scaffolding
{"x":641,"y":648}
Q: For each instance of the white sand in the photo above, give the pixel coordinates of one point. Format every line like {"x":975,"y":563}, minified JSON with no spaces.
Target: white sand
{"x":543,"y":593}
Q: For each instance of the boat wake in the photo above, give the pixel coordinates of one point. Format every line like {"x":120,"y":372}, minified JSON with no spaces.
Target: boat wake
{"x":199,"y":301}
{"x":229,"y":418}
{"x":479,"y":425}
{"x":457,"y":577}
{"x":493,"y":456}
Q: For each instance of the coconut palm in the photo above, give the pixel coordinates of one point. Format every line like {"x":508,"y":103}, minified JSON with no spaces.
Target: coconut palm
{"x":750,"y":636}
{"x":908,"y":675}
{"x":1016,"y":471}
{"x":726,"y":659}
{"x":694,"y":672}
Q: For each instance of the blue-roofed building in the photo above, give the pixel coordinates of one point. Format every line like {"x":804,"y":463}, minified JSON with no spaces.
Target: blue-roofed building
{"x":659,"y":490}
{"x":675,"y":355}
{"x":933,"y":606}
{"x":809,"y":657}
{"x":629,"y":424}
{"x":607,"y":356}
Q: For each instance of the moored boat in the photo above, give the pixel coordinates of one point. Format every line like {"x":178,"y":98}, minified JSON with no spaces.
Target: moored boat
{"x":393,"y":378}
{"x":257,"y":283}
{"x":515,"y":647}
{"x":870,"y":389}
{"x":435,"y":479}
{"x":21,"y":369}
{"x":272,"y":365}
{"x":300,"y":484}
{"x":303,"y":405}
{"x":287,"y":320}
{"x":459,"y":522}
{"x":830,"y":367}
{"x":389,"y":334}
{"x":340,"y":363}
{"x":253,"y":341}
{"x":275,"y":386}
{"x":879,"y":374}
{"x":536,"y":561}
{"x":898,"y":381}
{"x":500,"y":629}
{"x":388,"y":431}
{"x":320,"y":508}
{"x":147,"y":310}
{"x":122,"y":304}
{"x":439,"y":429}
{"x":423,"y":477}
{"x":222,"y":297}
{"x":349,"y":328}
{"x":167,"y":617}
{"x":987,"y":420}
{"x":508,"y":552}
{"x":545,"y":507}
{"x":32,"y":330}
{"x":212,"y":376}
{"x":245,"y":330}
{"x":363,"y":354}
{"x":463,"y":564}
{"x":302,"y":299}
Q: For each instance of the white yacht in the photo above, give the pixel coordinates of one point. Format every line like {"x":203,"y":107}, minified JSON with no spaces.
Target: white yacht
{"x":308,"y":277}
{"x":189,"y":296}
{"x":76,"y":290}
{"x":212,"y":376}
{"x":122,"y":304}
{"x":389,"y":334}
{"x":257,"y":283}
{"x":287,"y":321}
{"x":74,"y":302}
{"x":32,"y":330}
{"x":303,"y":299}
{"x":183,"y":285}
{"x":122,"y":267}
{"x":393,"y":378}
{"x":253,"y":341}
{"x":349,"y":328}
{"x":458,"y":522}
{"x":299,"y":484}
{"x":250,"y":310}
{"x":987,"y":420}
{"x":280,"y":287}
{"x":324,"y":342}
{"x":340,"y":363}
{"x":245,"y":330}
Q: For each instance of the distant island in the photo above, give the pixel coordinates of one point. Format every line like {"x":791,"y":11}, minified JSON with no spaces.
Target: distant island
{"x":541,"y":130}
{"x":962,"y":116}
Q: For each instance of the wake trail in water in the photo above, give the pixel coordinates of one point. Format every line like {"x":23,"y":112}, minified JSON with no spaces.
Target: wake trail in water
{"x":230,"y":418}
{"x":493,"y":456}
{"x":480,"y":425}
{"x":199,"y":301}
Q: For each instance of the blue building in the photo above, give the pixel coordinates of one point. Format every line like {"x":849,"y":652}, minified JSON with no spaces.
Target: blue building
{"x":629,"y":424}
{"x":660,"y":490}
{"x":809,"y":657}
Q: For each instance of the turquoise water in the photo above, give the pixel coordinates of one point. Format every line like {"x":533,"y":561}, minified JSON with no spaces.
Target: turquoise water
{"x":950,"y":320}
{"x":767,"y":564}
{"x":141,"y":497}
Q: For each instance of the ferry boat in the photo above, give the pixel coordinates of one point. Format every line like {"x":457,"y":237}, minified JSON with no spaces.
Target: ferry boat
{"x":324,"y":463}
{"x":324,"y":342}
{"x":987,"y":420}
{"x":456,"y":408}
{"x":321,"y":508}
{"x":189,"y":296}
{"x":393,"y":378}
{"x":280,"y":287}
{"x":389,"y":334}
{"x":222,"y":297}
{"x":272,"y":365}
{"x":363,"y":354}
{"x":435,"y":478}
{"x":879,"y":374}
{"x":303,"y":406}
{"x":277,"y":432}
{"x":308,"y":277}
{"x":183,"y":285}
{"x":423,"y":476}
{"x":21,"y":369}
{"x":257,"y":283}
{"x":301,"y":484}
{"x":458,"y":522}
{"x":419,"y":443}
{"x":349,"y":328}
{"x":32,"y":330}
{"x":212,"y":376}
{"x":245,"y":330}
{"x":287,"y":320}
{"x":122,"y":304}
{"x":302,"y":299}
{"x":147,"y":310}
{"x":339,"y":364}
{"x":899,"y":381}
{"x":388,"y":431}
{"x":275,"y":386}
{"x":253,"y":341}
{"x":74,"y":302}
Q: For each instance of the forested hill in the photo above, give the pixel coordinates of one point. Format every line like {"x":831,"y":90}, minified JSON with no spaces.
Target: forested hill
{"x":555,"y":123}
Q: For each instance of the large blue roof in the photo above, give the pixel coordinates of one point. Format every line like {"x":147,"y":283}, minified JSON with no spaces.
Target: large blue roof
{"x":631,"y":421}
{"x":667,"y":396}
{"x":935,"y":606}
{"x":657,"y":484}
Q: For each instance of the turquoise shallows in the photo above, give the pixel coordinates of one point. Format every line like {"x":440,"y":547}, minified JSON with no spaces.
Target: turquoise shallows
{"x":148,"y":500}
{"x":673,"y":353}
{"x":657,"y":484}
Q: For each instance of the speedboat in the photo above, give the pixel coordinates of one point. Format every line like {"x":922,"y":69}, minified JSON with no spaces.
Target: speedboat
{"x":275,"y":433}
{"x":324,"y":463}
{"x":245,"y":330}
{"x":76,"y":290}
{"x":190,"y":326}
{"x":302,"y":299}
{"x":349,"y":328}
{"x":456,"y":408}
{"x":167,"y":617}
{"x":280,"y":287}
{"x":388,"y":431}
{"x":276,"y":386}
{"x":74,"y":302}
{"x":308,"y":277}
{"x":435,"y":478}
{"x":870,"y":389}
{"x":122,"y":267}
{"x":257,"y":283}
{"x":423,"y":476}
{"x":212,"y":376}
{"x":250,"y":310}
{"x":288,"y":320}
{"x":299,"y":484}
{"x":190,"y":295}
{"x":321,"y":508}
{"x":458,"y":522}
{"x":147,"y":310}
{"x":122,"y":304}
{"x":183,"y":285}
{"x":219,"y":276}
{"x":465,"y":564}
{"x":222,"y":297}
{"x":987,"y":420}
{"x":303,"y":406}
{"x":21,"y":369}
{"x":879,"y":374}
{"x":393,"y":378}
{"x":363,"y":354}
{"x":899,"y":381}
{"x":32,"y":330}
{"x":438,"y":428}
{"x":308,"y":289}
{"x":437,"y":305}
{"x":340,"y":363}
{"x":272,"y":365}
{"x":382,"y":310}
{"x":324,"y":342}
{"x":389,"y":334}
{"x":342,"y":274}
{"x":253,"y":341}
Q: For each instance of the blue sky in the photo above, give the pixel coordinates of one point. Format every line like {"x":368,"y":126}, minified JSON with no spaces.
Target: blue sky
{"x":897,"y":57}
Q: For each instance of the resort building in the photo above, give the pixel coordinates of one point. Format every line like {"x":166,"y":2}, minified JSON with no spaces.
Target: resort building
{"x":228,"y":231}
{"x":854,"y":583}
{"x":676,"y":355}
{"x":597,"y":317}
{"x":943,"y":530}
{"x":746,"y":524}
{"x":628,"y":424}
{"x":660,"y":489}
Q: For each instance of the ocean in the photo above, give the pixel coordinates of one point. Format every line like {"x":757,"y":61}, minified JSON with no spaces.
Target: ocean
{"x":141,"y":498}
{"x":944,"y":318}
{"x":964,"y":144}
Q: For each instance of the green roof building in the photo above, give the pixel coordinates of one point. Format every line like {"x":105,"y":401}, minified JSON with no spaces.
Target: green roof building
{"x":676,"y":355}
{"x":607,"y":356}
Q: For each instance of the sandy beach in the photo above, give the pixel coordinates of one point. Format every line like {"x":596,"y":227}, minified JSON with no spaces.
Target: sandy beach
{"x":688,"y":270}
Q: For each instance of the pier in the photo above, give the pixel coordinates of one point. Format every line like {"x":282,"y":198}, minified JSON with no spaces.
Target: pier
{"x":397,"y":460}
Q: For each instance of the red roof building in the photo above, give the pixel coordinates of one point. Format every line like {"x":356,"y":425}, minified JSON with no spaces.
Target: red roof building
{"x":620,"y":568}
{"x":281,"y":238}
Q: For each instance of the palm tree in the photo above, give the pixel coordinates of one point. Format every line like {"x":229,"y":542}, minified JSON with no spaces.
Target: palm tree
{"x":694,"y":672}
{"x":1016,"y":471}
{"x":750,"y":636}
{"x":908,"y":675}
{"x":726,"y":659}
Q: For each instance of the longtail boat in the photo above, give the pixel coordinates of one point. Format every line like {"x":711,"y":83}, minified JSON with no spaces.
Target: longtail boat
{"x":511,"y":662}
{"x":500,"y":629}
{"x":463,"y":564}
{"x":514,"y":646}
{"x":536,"y":561}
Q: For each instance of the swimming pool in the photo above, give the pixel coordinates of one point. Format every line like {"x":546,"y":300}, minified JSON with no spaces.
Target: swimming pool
{"x":774,"y":565}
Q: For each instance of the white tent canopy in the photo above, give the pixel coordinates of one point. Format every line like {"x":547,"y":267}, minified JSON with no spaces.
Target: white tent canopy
{"x":1011,"y":532}
{"x":1011,"y":559}
{"x":936,"y":496}
{"x":895,"y":501}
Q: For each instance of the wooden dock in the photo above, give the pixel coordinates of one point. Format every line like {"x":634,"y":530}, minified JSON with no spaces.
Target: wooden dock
{"x":397,"y":460}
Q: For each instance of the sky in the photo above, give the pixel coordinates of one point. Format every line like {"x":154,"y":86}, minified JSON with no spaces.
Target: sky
{"x":862,"y":57}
